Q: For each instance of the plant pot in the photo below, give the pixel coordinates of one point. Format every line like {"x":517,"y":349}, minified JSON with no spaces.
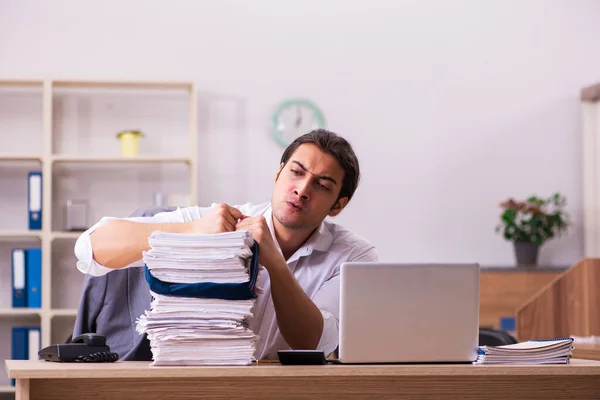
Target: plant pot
{"x":526,"y":253}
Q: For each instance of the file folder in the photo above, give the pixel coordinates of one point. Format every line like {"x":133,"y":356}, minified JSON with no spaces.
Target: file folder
{"x":19,"y":278}
{"x":25,"y":344}
{"x":34,"y":200}
{"x":20,"y":348}
{"x":34,"y":277}
{"x":225,"y":291}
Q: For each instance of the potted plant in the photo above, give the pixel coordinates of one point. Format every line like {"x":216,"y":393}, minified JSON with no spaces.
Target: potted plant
{"x":530,"y":223}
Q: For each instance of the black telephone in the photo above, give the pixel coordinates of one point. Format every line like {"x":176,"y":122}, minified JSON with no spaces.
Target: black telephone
{"x":89,"y":347}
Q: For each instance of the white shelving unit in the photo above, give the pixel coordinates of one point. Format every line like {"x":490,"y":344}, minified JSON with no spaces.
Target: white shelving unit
{"x":54,"y":155}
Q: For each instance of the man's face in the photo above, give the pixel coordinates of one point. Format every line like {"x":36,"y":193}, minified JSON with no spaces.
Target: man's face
{"x":306,"y":189}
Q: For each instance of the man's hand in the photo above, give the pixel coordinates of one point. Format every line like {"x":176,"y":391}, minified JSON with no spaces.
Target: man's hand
{"x":270,"y":256}
{"x":222,"y":218}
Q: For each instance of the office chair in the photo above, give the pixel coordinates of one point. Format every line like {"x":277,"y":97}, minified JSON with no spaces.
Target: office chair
{"x":495,"y":337}
{"x":110,"y":315}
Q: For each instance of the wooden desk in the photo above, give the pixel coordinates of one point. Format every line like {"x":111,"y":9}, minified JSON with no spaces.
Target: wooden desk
{"x":587,"y":351}
{"x":138,"y":380}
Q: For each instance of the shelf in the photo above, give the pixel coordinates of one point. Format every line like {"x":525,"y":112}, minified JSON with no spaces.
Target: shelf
{"x":38,"y":235}
{"x":23,"y":312}
{"x":7,"y":389}
{"x":63,"y":312}
{"x":17,"y":312}
{"x":20,"y":157}
{"x":66,"y":235}
{"x":20,"y":234}
{"x":21,"y":82}
{"x":118,"y":159}
{"x":123,"y":84}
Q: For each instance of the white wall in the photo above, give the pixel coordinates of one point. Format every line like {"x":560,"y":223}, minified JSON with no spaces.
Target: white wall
{"x":451,"y":105}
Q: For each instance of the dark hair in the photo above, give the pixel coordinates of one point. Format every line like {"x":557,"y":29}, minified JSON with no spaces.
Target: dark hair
{"x":335,"y":145}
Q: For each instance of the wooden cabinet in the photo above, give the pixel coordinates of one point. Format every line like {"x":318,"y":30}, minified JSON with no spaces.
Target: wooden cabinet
{"x":504,"y":289}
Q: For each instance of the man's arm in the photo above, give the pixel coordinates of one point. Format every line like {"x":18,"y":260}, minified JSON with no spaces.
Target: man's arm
{"x":299,"y":319}
{"x":118,"y":243}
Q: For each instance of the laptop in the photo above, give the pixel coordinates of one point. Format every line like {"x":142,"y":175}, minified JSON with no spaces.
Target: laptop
{"x":408,"y":313}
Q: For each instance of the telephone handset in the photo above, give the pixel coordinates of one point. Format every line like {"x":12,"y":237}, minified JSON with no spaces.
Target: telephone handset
{"x":89,"y":347}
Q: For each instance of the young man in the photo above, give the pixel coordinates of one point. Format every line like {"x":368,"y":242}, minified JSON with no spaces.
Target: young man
{"x":301,"y":253}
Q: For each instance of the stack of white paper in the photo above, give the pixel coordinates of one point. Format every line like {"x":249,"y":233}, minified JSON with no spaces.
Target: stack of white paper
{"x":558,"y":351}
{"x":199,"y":331}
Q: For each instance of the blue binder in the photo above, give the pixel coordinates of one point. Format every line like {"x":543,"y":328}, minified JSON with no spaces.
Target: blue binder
{"x":34,"y":277}
{"x":34,"y":200}
{"x":25,"y":343}
{"x":19,"y":277}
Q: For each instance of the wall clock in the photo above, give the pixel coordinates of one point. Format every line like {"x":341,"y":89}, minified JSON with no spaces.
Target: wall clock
{"x":295,"y":117}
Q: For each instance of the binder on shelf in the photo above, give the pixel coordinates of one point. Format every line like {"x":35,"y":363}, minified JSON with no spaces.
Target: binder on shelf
{"x":34,"y":200}
{"x":19,"y":278}
{"x":25,"y":343}
{"x":34,"y":277}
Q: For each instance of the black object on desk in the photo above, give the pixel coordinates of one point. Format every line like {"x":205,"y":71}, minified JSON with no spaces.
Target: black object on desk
{"x":301,"y":357}
{"x":89,"y":347}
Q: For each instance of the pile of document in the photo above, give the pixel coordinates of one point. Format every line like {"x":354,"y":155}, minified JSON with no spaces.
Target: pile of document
{"x":555,"y":351}
{"x":195,"y":330}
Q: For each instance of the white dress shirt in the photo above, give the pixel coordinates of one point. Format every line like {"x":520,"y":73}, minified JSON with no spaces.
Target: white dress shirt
{"x":316,"y":266}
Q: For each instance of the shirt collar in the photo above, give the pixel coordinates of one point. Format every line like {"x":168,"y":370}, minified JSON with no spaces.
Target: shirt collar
{"x":320,"y":240}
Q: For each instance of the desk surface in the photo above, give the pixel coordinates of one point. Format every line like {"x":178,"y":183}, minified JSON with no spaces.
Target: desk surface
{"x":139,"y":380}
{"x":142,"y":369}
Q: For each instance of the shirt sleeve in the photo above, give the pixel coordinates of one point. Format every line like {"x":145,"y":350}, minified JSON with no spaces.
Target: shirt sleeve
{"x":327,"y":299}
{"x":83,"y":247}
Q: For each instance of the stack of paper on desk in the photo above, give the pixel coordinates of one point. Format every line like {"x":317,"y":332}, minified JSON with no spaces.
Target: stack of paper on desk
{"x":183,"y":258}
{"x":556,"y":351}
{"x":199,"y":331}
{"x":188,"y":331}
